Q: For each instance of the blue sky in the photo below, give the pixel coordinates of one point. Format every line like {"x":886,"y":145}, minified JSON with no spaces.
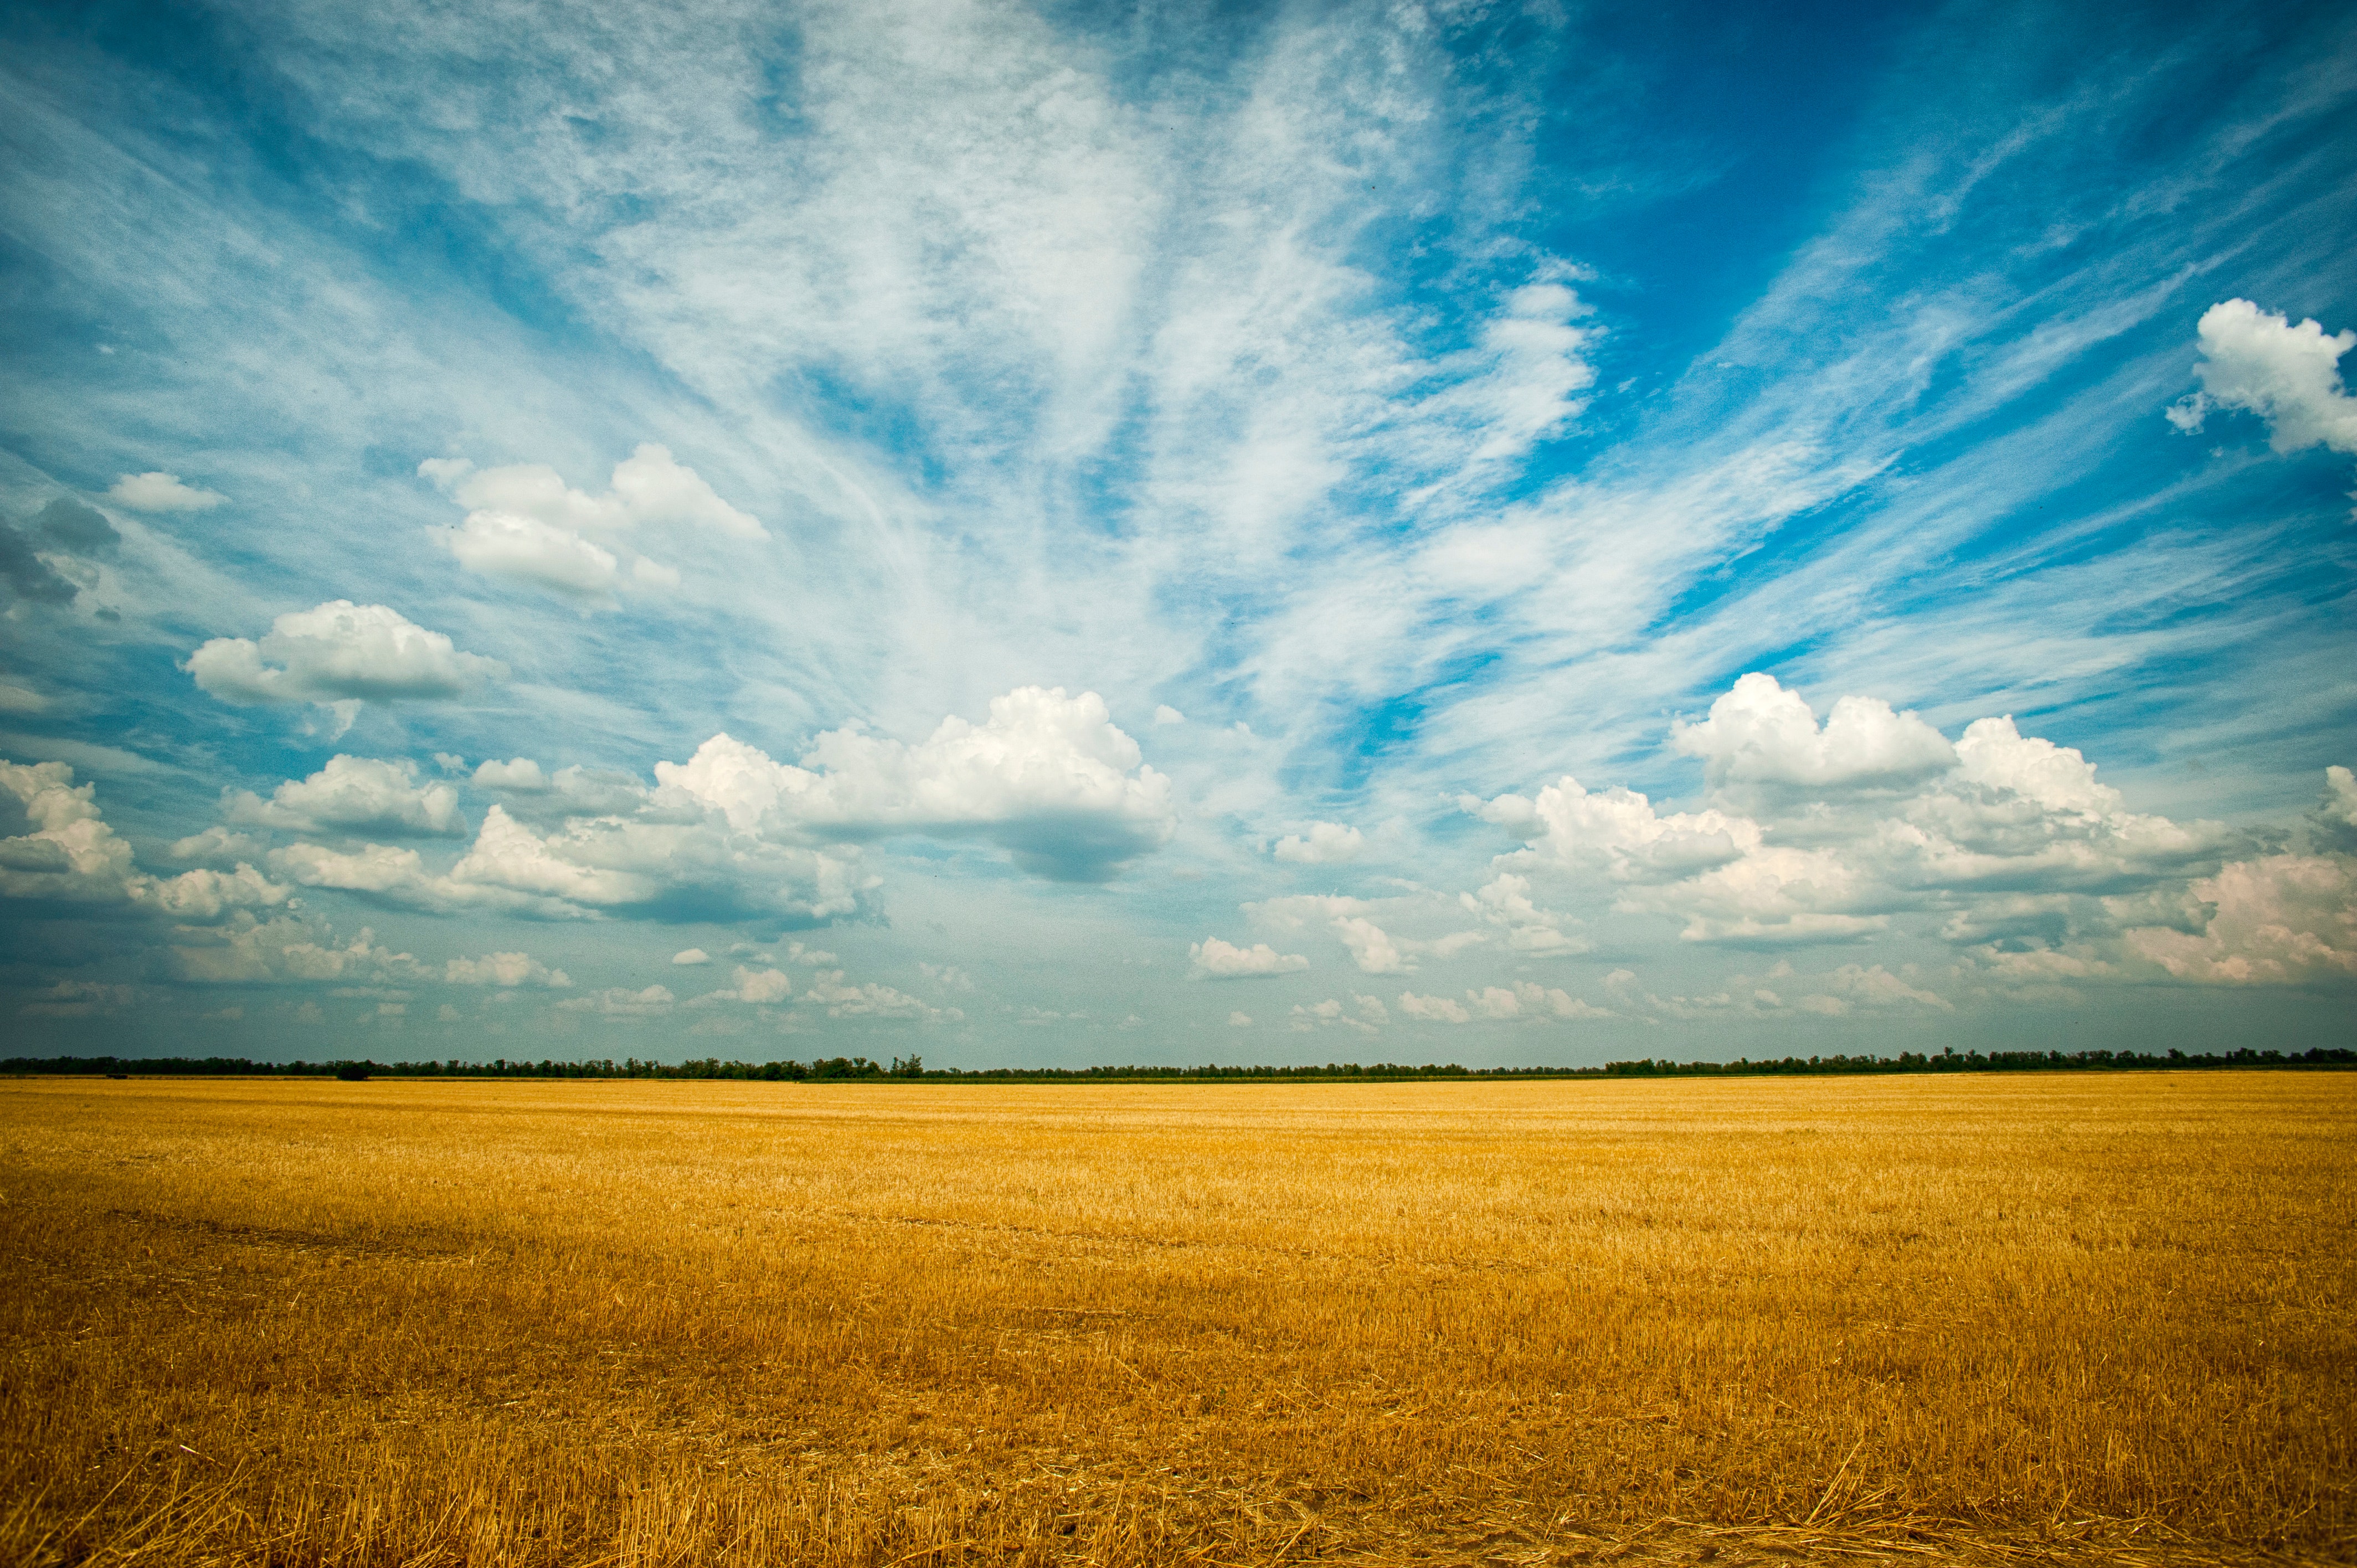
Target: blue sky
{"x":1177,"y":533}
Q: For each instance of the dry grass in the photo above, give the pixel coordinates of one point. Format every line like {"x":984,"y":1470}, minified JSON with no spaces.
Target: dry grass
{"x":671,"y":1323}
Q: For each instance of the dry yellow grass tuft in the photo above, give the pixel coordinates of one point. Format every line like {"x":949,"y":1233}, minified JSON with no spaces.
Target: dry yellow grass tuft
{"x":580,"y":1323}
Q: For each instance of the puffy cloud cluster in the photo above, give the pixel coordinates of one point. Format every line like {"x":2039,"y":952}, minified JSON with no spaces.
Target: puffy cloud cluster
{"x":2004,"y":842}
{"x":827,"y":989}
{"x":2012,"y":838}
{"x":1759,"y":733}
{"x":730,"y":834}
{"x":619,"y":1003}
{"x":285,"y":951}
{"x":2281,"y":920}
{"x":2258,"y":362}
{"x":505,"y":969}
{"x":1375,"y":949}
{"x":1366,"y":1014}
{"x":2333,"y":823}
{"x":355,"y":795}
{"x":1217,"y":960}
{"x":524,"y":522}
{"x":537,"y":795}
{"x":340,"y":652}
{"x":1048,"y":777}
{"x":66,"y":852}
{"x":1326,"y":844}
{"x":161,"y":492}
{"x":1524,"y":1002}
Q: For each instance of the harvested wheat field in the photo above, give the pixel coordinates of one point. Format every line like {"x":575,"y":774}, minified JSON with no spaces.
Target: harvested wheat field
{"x":1985,"y":1320}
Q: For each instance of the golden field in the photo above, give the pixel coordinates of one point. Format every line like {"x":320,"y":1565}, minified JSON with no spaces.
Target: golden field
{"x":667,"y":1322}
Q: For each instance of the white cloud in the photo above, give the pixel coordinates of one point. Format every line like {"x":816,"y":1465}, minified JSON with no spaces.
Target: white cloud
{"x":948,"y":976}
{"x":71,"y":856}
{"x":16,"y":699}
{"x":1239,"y":1020}
{"x":754,"y":988}
{"x":532,"y":792}
{"x":2012,"y":817}
{"x":1759,"y":733}
{"x":216,"y":847}
{"x":355,"y":795}
{"x":689,"y":956}
{"x":662,"y":863}
{"x":1327,"y":844}
{"x":1524,"y":1001}
{"x":1373,"y":949}
{"x":338,"y":653}
{"x":654,"y":488}
{"x":827,"y":989}
{"x":1876,"y":988}
{"x":2334,"y":822}
{"x":505,"y":969}
{"x":502,"y":544}
{"x":1216,"y":959}
{"x":2257,"y":362}
{"x":286,"y":951}
{"x":524,"y":522}
{"x":1432,"y":1009}
{"x":160,"y":492}
{"x":1049,"y":777}
{"x":1163,"y":713}
{"x":2282,"y":919}
{"x":398,"y":876}
{"x":619,"y":1002}
{"x":1506,"y":902}
{"x":1329,"y":1013}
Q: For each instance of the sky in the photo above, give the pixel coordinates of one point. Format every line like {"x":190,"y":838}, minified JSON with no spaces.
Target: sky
{"x":1040,"y":535}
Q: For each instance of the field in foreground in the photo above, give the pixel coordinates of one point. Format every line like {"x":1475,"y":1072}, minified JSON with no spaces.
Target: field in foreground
{"x":583,"y":1323}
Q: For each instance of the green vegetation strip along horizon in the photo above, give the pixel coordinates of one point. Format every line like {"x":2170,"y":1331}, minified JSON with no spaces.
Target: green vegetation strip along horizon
{"x":903,"y":1069}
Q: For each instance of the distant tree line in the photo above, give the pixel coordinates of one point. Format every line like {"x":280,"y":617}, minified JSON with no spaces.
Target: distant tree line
{"x":858,"y":1069}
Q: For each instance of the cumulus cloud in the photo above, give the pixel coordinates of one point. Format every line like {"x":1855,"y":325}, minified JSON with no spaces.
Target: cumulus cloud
{"x":2008,"y":818}
{"x":1216,"y":959}
{"x":70,"y":855}
{"x":1239,"y":1020}
{"x":689,"y":957}
{"x":1366,"y":1014}
{"x":1875,"y":988}
{"x":531,"y":791}
{"x":2257,"y":362}
{"x":2333,"y":823}
{"x":691,"y":868}
{"x":1524,"y":1001}
{"x":500,"y":544}
{"x":617,"y":1003}
{"x":1326,"y":844}
{"x":355,"y":795}
{"x":287,"y":950}
{"x":1432,"y":1009}
{"x":1506,"y":902}
{"x":340,"y":652}
{"x":1048,"y":777}
{"x":1163,"y":713}
{"x":505,"y":969}
{"x":828,"y":989}
{"x":2282,"y":920}
{"x":391,"y":874}
{"x":754,"y":987}
{"x":216,"y":846}
{"x":1760,"y":732}
{"x":161,"y":492}
{"x":1373,"y":949}
{"x":524,"y":522}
